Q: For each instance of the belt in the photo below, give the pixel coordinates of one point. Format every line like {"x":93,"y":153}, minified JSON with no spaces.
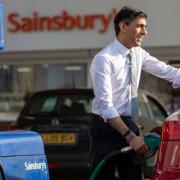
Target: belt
{"x":126,"y":117}
{"x":122,"y":117}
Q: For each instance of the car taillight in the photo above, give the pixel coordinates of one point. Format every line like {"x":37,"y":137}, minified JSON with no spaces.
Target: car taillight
{"x":171,"y":130}
{"x":13,"y":126}
{"x":171,"y":127}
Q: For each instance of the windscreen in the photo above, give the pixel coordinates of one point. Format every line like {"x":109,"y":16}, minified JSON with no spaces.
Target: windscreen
{"x":64,"y":105}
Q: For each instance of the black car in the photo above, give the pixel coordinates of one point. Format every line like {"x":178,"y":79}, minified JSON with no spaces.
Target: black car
{"x":63,"y":117}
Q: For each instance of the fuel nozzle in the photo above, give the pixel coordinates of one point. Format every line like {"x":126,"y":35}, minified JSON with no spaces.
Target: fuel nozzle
{"x":152,"y":140}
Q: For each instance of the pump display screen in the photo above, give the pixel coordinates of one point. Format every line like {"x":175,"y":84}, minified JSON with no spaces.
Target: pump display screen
{"x":1,"y":27}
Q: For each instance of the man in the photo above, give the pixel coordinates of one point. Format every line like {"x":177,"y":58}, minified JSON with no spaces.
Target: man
{"x":114,"y":125}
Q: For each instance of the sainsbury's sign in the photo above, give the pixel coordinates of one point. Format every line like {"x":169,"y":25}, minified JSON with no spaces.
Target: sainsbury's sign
{"x":61,"y":22}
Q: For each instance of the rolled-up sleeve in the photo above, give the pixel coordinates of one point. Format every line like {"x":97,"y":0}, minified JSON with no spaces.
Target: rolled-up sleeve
{"x":101,"y":79}
{"x":158,"y":68}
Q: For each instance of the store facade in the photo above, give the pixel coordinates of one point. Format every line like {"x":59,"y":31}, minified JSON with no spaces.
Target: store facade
{"x":50,"y":44}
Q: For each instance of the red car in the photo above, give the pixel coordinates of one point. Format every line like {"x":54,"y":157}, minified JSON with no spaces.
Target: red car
{"x":168,"y":159}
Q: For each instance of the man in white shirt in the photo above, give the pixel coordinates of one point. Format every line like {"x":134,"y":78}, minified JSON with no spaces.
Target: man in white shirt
{"x":113,"y":126}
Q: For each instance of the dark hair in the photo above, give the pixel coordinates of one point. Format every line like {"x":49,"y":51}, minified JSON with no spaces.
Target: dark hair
{"x":126,"y":14}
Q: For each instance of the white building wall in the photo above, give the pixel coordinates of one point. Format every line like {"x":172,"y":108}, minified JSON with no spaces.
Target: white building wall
{"x":163,"y":23}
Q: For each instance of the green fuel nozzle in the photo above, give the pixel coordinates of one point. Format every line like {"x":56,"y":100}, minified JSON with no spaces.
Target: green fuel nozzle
{"x":152,"y":140}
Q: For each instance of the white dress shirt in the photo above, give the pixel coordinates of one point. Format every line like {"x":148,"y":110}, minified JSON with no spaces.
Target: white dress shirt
{"x":111,"y":78}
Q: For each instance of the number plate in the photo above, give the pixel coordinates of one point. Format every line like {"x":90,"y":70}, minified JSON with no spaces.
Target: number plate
{"x":59,"y":138}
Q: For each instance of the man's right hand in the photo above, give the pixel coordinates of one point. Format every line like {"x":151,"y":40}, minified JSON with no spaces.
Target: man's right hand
{"x":138,"y":144}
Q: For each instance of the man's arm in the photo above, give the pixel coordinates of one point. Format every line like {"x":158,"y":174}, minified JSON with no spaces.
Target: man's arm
{"x":158,"y":68}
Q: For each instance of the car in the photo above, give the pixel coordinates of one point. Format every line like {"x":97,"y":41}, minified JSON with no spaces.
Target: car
{"x":63,"y":117}
{"x":168,"y":160}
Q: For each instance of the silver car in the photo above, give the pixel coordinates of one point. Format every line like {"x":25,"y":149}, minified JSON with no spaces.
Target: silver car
{"x":151,"y":114}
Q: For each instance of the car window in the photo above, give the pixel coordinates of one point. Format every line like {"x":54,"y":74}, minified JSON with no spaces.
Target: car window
{"x":143,"y":110}
{"x":65,"y":105}
{"x":157,"y":110}
{"x":42,"y":104}
{"x":75,"y":104}
{"x":49,"y":104}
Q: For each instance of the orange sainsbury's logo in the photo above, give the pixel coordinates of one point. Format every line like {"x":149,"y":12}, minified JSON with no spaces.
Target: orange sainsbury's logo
{"x":62,"y":21}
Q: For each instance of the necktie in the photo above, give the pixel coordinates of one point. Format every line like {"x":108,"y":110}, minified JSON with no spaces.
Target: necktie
{"x":134,"y":88}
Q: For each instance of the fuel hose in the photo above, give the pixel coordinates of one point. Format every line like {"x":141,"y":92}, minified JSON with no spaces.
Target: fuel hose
{"x":151,"y":139}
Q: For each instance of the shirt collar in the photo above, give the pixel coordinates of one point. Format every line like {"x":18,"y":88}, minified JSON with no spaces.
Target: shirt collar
{"x":121,"y":48}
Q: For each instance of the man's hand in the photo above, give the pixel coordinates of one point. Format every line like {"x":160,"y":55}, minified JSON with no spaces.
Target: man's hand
{"x":138,"y":144}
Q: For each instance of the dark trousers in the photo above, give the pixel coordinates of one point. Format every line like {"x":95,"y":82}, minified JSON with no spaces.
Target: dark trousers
{"x":104,"y":140}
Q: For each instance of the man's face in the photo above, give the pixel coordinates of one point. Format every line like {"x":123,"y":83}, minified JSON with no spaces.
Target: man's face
{"x":135,"y":32}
